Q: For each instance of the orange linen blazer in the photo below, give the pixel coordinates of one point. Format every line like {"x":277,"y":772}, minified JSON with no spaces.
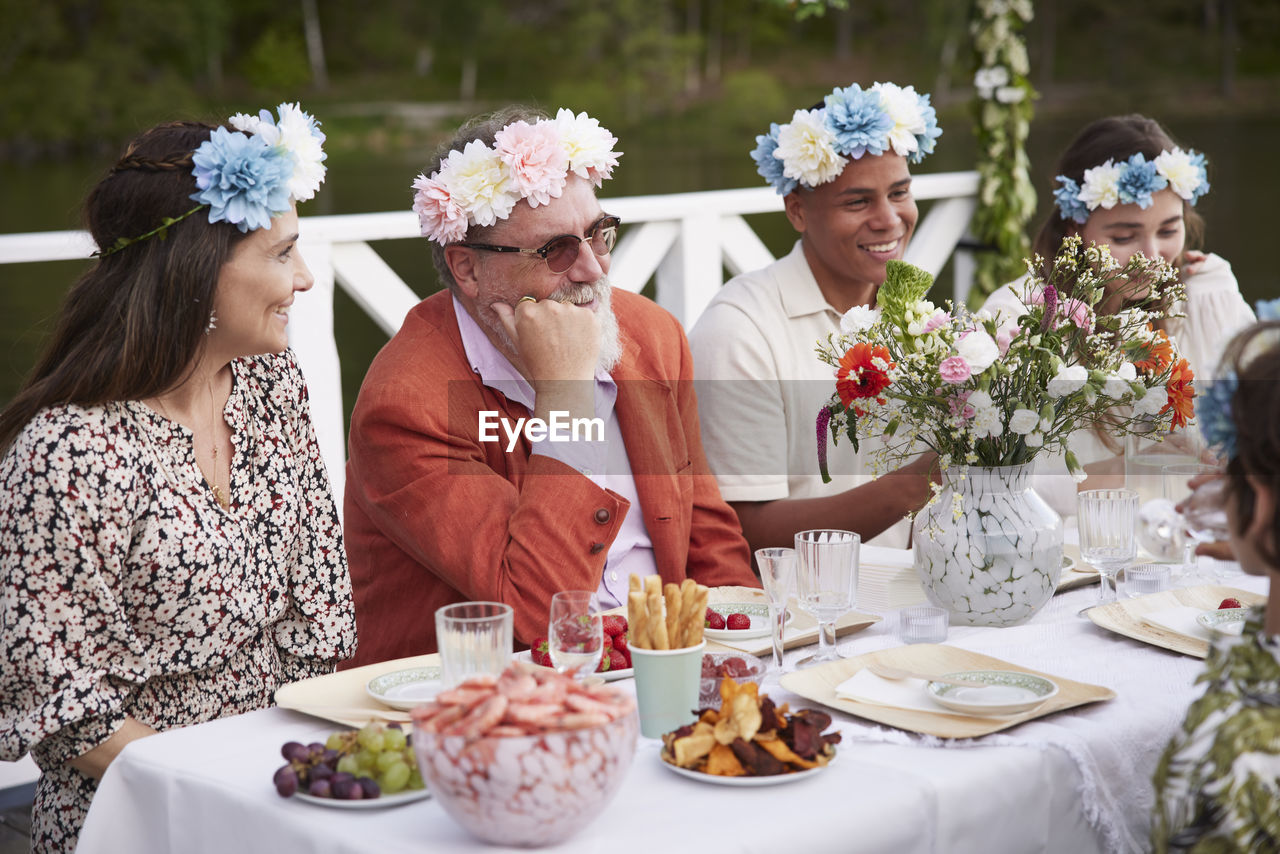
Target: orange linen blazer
{"x":435,"y":516}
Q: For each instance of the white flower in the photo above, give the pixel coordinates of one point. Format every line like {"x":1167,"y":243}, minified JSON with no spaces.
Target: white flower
{"x":903,"y":106}
{"x":1034,"y":439}
{"x":589,"y":146}
{"x":1024,"y":421}
{"x":1152,"y":402}
{"x":987,"y":421}
{"x":807,"y":149}
{"x":1010,"y":94}
{"x":858,"y":319}
{"x":1068,"y":380}
{"x":260,"y":125}
{"x":988,"y":80}
{"x":978,"y":349}
{"x":299,"y":134}
{"x":1117,"y":386}
{"x":1101,"y":186}
{"x":479,"y":183}
{"x":1183,"y":175}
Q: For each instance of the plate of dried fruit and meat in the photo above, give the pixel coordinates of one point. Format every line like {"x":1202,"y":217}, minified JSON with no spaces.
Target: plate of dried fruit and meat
{"x":749,"y":741}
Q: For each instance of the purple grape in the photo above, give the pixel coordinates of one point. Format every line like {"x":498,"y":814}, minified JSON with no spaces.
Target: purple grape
{"x":393,"y":725}
{"x":341,"y":777}
{"x":295,"y":752}
{"x":370,"y":787}
{"x":331,"y":757}
{"x":346,"y":790}
{"x":320,"y":788}
{"x":321,"y":772}
{"x":286,"y":780}
{"x":315,"y":750}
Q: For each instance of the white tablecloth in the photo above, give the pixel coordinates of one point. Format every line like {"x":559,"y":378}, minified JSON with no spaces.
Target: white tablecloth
{"x":1076,"y":782}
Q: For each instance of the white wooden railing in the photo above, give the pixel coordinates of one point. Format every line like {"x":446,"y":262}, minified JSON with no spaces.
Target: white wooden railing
{"x":683,"y":241}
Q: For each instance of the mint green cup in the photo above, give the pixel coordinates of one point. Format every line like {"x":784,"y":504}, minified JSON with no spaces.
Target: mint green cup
{"x":667,"y":683}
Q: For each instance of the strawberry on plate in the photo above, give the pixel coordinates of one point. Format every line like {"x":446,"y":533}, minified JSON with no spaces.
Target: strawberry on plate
{"x":1230,"y":602}
{"x":714,"y":620}
{"x":620,"y":646}
{"x":540,"y":652}
{"x":617,"y":661}
{"x":613,"y":625}
{"x":738,"y":622}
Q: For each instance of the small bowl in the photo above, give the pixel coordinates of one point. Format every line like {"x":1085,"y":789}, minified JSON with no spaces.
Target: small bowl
{"x":709,"y":692}
{"x":1224,"y":621}
{"x":527,"y":790}
{"x":1009,"y":692}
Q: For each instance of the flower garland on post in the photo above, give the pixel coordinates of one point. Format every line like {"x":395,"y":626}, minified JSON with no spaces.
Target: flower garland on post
{"x":1002,"y":120}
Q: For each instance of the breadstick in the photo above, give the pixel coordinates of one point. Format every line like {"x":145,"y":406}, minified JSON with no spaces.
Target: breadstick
{"x":688,"y":616}
{"x":657,"y":626}
{"x":638,"y":619}
{"x":671,"y":594}
{"x":700,"y":607}
{"x":633,"y":583}
{"x":653,"y":584}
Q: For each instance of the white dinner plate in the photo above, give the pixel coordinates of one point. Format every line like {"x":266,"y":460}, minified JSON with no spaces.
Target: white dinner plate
{"x":1224,"y":621}
{"x":380,"y":802}
{"x":607,"y":675}
{"x":1008,"y":692}
{"x":405,"y":689}
{"x":757,"y":611}
{"x":770,"y":780}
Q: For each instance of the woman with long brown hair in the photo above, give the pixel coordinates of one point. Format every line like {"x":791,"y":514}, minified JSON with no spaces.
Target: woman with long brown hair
{"x":1124,"y":182}
{"x":169,"y":546}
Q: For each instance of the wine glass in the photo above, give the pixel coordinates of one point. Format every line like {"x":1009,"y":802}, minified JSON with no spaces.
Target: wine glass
{"x":575,"y":632}
{"x":1201,"y":511}
{"x":1107,"y":520}
{"x":826,"y":574}
{"x":777,"y":569}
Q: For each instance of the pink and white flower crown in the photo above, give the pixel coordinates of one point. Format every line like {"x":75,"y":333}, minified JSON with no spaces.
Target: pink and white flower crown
{"x":481,"y":184}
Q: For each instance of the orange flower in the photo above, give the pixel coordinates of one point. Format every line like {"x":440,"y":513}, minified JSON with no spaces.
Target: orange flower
{"x":1181,"y":394}
{"x":857,"y":377}
{"x":1156,"y":354}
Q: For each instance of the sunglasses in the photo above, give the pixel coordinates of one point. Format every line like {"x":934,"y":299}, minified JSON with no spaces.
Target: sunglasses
{"x":561,"y":252}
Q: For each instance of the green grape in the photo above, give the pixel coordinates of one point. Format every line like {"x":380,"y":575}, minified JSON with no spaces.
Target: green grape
{"x":415,"y":779}
{"x":395,"y":777}
{"x":335,"y":741}
{"x":393,"y":739}
{"x":388,"y":758}
{"x":370,"y":737}
{"x":348,"y":764}
{"x":366,"y":759}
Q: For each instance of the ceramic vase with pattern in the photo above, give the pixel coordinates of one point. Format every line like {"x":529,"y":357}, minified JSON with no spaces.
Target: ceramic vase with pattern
{"x":989,"y":550}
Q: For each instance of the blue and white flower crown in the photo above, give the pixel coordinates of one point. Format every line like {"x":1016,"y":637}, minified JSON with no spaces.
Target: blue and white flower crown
{"x":250,"y":175}
{"x":815,"y":146}
{"x":1132,"y":181}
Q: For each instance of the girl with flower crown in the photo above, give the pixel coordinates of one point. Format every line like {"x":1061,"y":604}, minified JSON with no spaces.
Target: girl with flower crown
{"x":1125,"y":183}
{"x":170,"y":551}
{"x":1216,"y":782}
{"x":842,"y":168}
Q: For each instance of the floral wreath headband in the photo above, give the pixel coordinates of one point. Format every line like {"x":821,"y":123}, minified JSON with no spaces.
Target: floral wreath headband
{"x":248,"y":176}
{"x":1214,"y":407}
{"x":1132,"y":181}
{"x":815,"y":146}
{"x":480,"y":184}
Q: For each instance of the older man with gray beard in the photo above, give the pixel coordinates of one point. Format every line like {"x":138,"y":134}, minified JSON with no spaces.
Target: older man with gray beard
{"x":528,"y":430}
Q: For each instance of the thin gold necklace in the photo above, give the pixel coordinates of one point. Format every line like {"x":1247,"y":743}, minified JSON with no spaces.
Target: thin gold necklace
{"x":219,"y":494}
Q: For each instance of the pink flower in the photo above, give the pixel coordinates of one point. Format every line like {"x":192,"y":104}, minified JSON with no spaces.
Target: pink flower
{"x":1077,"y":312}
{"x":954,"y":370}
{"x":536,"y":158}
{"x":1004,"y":337}
{"x":959,"y":405}
{"x":938,"y":318}
{"x":439,"y":216}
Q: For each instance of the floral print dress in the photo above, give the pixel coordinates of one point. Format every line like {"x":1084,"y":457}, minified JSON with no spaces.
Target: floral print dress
{"x":1218,"y":782}
{"x":127,"y":590}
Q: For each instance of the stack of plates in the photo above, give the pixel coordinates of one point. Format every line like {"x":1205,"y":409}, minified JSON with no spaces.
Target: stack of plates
{"x":887,"y":580}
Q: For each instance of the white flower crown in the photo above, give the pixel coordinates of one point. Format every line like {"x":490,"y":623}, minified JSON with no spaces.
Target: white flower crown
{"x":481,"y":184}
{"x":1132,"y":181}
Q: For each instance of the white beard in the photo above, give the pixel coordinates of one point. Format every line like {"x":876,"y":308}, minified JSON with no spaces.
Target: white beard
{"x":601,"y":292}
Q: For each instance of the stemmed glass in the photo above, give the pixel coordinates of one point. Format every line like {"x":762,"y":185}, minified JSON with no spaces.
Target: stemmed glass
{"x":575,"y":632}
{"x":777,"y":568}
{"x":1108,"y":519}
{"x":1201,"y":512}
{"x":826,"y":574}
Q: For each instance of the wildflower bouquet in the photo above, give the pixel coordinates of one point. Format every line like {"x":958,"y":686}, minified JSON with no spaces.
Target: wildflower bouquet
{"x":982,"y":391}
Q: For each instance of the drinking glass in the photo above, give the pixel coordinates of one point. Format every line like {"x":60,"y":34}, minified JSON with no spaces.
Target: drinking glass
{"x":575,"y":632}
{"x":777,"y":569}
{"x":474,"y":639}
{"x":826,"y":574}
{"x":1202,"y":512}
{"x":1107,"y":519}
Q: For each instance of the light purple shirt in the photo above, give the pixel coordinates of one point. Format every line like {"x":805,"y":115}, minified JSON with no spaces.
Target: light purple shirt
{"x":605,"y":462}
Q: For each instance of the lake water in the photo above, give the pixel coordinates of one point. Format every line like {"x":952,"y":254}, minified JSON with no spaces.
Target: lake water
{"x":44,"y":197}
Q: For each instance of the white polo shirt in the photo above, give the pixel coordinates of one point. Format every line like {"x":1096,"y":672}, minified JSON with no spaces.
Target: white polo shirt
{"x":760,"y":385}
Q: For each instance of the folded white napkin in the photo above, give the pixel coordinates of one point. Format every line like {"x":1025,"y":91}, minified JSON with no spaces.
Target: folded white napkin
{"x":1180,"y":619}
{"x":866,"y":687}
{"x":887,"y":579}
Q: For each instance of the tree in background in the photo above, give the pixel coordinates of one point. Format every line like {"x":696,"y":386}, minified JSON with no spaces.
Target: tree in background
{"x":1002,"y":108}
